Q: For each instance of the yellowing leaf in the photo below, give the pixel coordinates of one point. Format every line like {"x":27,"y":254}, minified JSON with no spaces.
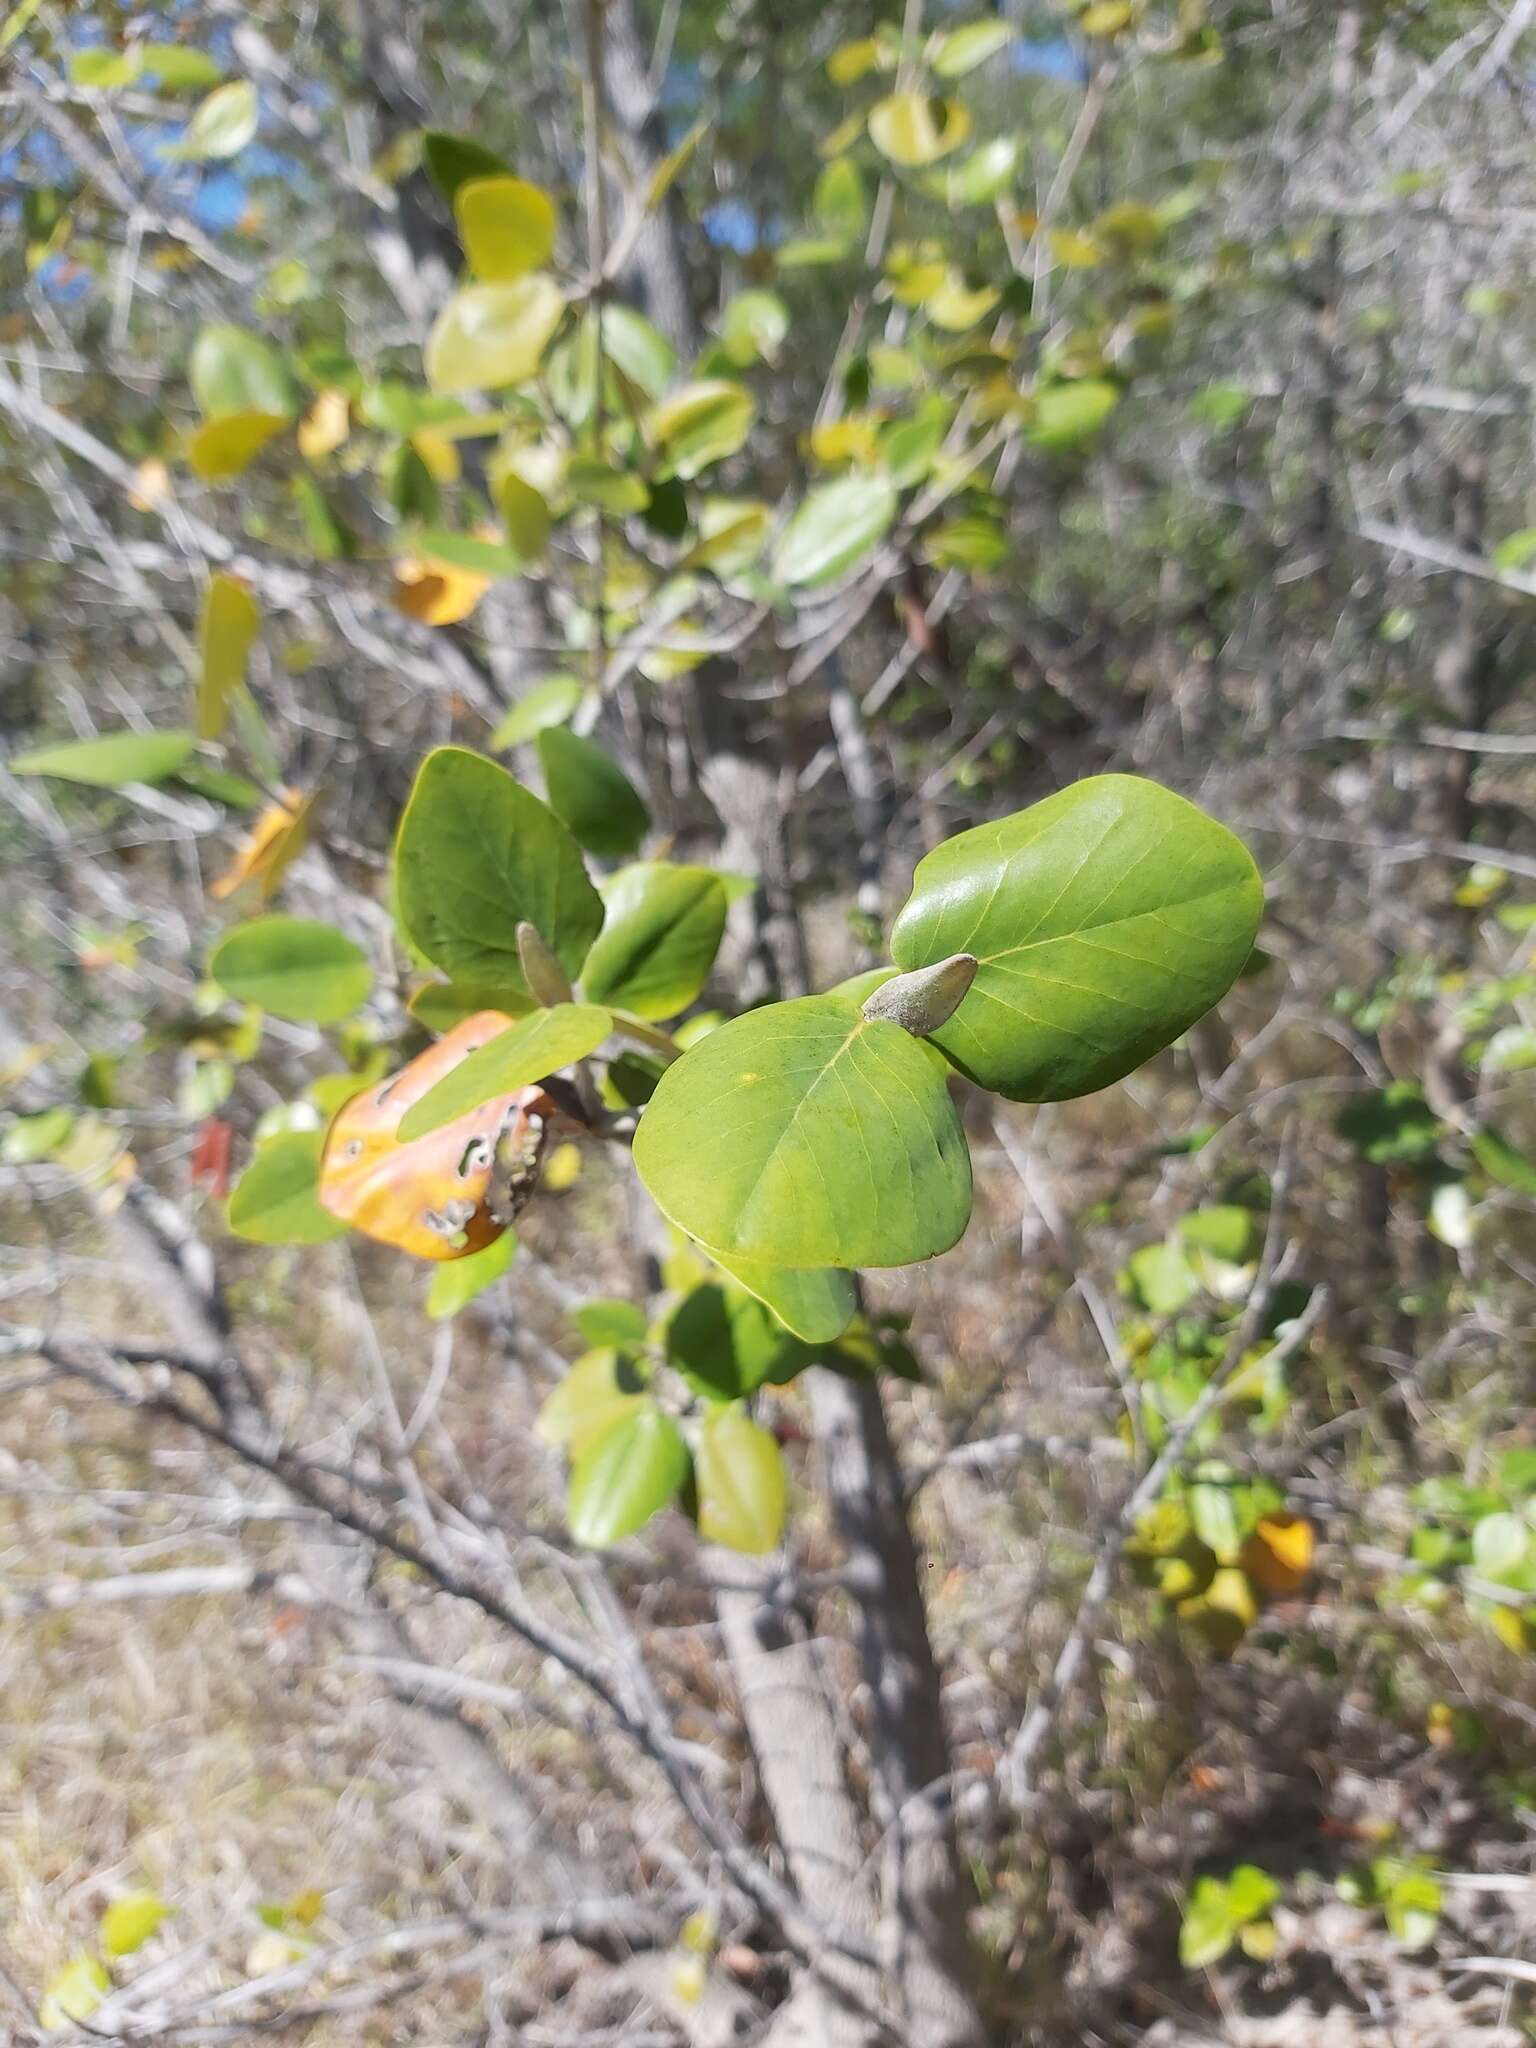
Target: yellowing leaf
{"x":73,"y":1993}
{"x":325,"y":426}
{"x":1106,"y":17}
{"x":491,"y":335}
{"x":1278,"y":1555}
{"x":129,"y":1922}
{"x":270,"y":848}
{"x":230,"y":621}
{"x":912,"y":129}
{"x":439,"y":452}
{"x":226,"y":447}
{"x":850,"y":439}
{"x":437,"y":593}
{"x":562,"y":1169}
{"x":1074,"y":251}
{"x":955,"y":306}
{"x":850,"y":61}
{"x":507,"y":226}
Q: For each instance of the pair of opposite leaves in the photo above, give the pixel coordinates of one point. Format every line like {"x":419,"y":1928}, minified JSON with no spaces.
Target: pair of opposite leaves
{"x":808,"y":1136}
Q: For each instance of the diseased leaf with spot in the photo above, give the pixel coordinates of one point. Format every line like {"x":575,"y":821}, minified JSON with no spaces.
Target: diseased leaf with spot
{"x":1104,"y":922}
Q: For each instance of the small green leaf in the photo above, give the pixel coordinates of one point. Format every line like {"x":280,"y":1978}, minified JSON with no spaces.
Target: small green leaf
{"x":1499,"y":1543}
{"x":475,"y":855}
{"x":726,"y":1343}
{"x":625,"y":1475}
{"x":491,"y":335}
{"x":550,"y":701}
{"x":840,"y":203}
{"x":753,"y":327}
{"x":507,"y":226}
{"x":232,"y":370}
{"x":467,"y":551}
{"x":816,"y":1305}
{"x":834,"y":528}
{"x":1208,"y":1929}
{"x":525,"y":517}
{"x":913,"y":130}
{"x":29,"y":1139}
{"x":1161,"y":1278}
{"x":805,"y":1135}
{"x":637,"y":350}
{"x":129,"y":1922}
{"x":1104,"y":921}
{"x":177,"y":68}
{"x":225,"y":448}
{"x":591,"y":793}
{"x":1068,"y":414}
{"x":700,"y":425}
{"x":222,"y":126}
{"x":662,"y":928}
{"x":307,"y":972}
{"x":114,"y":761}
{"x":611,"y":1322}
{"x":741,"y":1484}
{"x":274,"y":1200}
{"x":954,"y":52}
{"x":73,"y":1993}
{"x":229,"y":623}
{"x":1391,"y":1124}
{"x":600,"y":1389}
{"x":452,"y":160}
{"x":1224,"y":1230}
{"x":1502,"y":1162}
{"x":986,"y":173}
{"x":530,"y":1050}
{"x":456,"y":1282}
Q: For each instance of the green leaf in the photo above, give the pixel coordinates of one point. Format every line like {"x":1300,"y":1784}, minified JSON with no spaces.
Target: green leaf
{"x":222,"y":126}
{"x":816,"y":1304}
{"x":913,"y":130}
{"x":29,"y":1139}
{"x":225,"y":448}
{"x":176,"y":68}
{"x":986,"y":173}
{"x":840,"y":202}
{"x":1501,"y":1162}
{"x":525,"y":516}
{"x":1499,"y":1543}
{"x":601,"y":1388}
{"x":1516,"y":550}
{"x":452,"y":160}
{"x":970,"y":541}
{"x":530,"y":1050}
{"x":465,"y":551}
{"x":491,"y":335}
{"x":1214,"y":1518}
{"x":114,"y":761}
{"x":1068,"y":414}
{"x":637,"y":350}
{"x":1104,"y":921}
{"x":1161,"y":1278}
{"x":833,"y":528}
{"x":456,"y":1282}
{"x":611,"y":1322}
{"x":1250,"y":1892}
{"x":1207,"y":1930}
{"x":230,"y":621}
{"x":1391,"y":1124}
{"x":1224,"y":1230}
{"x":662,"y":928}
{"x":105,"y":70}
{"x":742,"y":1488}
{"x":507,"y":226}
{"x":129,"y":1922}
{"x":475,"y":855}
{"x":700,"y":425}
{"x":725,"y":1342}
{"x":956,"y":51}
{"x":591,"y":793}
{"x":232,"y":370}
{"x":549,"y":701}
{"x":307,"y":972}
{"x":805,"y":1135}
{"x":73,"y":1992}
{"x":626,"y":1475}
{"x":753,"y":327}
{"x":274,"y":1200}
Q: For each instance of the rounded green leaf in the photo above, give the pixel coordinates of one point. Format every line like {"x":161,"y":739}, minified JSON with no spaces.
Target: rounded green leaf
{"x":231,"y":370}
{"x":637,"y":350}
{"x":591,"y":793}
{"x":741,"y":1484}
{"x":986,"y":173}
{"x":475,"y":855}
{"x":73,"y":1992}
{"x":912,"y":129}
{"x":700,"y":425}
{"x":817,"y":1305}
{"x":176,"y":67}
{"x":527,"y":1051}
{"x":525,"y":516}
{"x":611,"y":1322}
{"x":222,"y":126}
{"x":601,"y":1388}
{"x":662,"y":928}
{"x":1104,"y":921}
{"x":834,"y":527}
{"x":753,"y":326}
{"x":840,"y":203}
{"x":456,"y":1282}
{"x":625,"y":1475}
{"x":490,"y":335}
{"x":507,"y":226}
{"x":806,"y":1135}
{"x":225,"y":448}
{"x":725,"y":1342}
{"x":307,"y":972}
{"x":111,"y":762}
{"x":547,"y":702}
{"x":1067,"y":414}
{"x":274,"y":1200}
{"x":955,"y":51}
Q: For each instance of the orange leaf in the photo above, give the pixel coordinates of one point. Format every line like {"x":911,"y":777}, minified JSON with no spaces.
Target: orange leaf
{"x":447,"y":1194}
{"x":271,"y":846}
{"x":1278,"y":1555}
{"x":437,"y":593}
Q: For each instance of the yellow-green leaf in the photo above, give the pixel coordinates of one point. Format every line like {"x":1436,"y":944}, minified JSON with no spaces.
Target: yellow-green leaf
{"x":225,"y":448}
{"x":129,"y":1922}
{"x":230,"y":620}
{"x":913,"y":130}
{"x":701,"y":424}
{"x":741,"y":1484}
{"x":507,"y":227}
{"x":492,"y":335}
{"x":222,"y":126}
